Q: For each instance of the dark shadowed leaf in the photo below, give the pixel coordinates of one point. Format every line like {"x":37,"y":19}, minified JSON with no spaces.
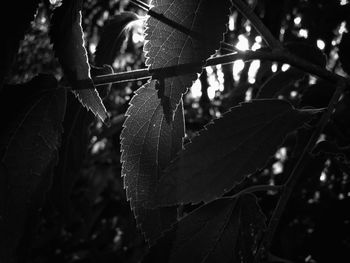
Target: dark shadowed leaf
{"x":67,"y":37}
{"x":278,"y":81}
{"x":225,"y":230}
{"x":229,"y":149}
{"x":75,"y":141}
{"x":114,"y":33}
{"x":30,"y":137}
{"x":344,"y":52}
{"x":308,"y":52}
{"x":180,"y":32}
{"x":148,"y":143}
{"x":13,"y":30}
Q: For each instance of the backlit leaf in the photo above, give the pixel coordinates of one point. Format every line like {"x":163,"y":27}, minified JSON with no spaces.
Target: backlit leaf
{"x":225,"y":230}
{"x":179,"y":32}
{"x":30,"y":137}
{"x":114,"y":33}
{"x":67,"y":37}
{"x":148,"y":143}
{"x":227,"y":150}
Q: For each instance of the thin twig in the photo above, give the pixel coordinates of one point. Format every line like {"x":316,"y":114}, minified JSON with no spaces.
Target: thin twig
{"x":133,"y":75}
{"x":140,"y":4}
{"x":258,"y":188}
{"x":297,"y":171}
{"x":256,"y":22}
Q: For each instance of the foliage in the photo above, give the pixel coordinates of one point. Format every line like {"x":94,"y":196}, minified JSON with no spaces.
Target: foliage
{"x":228,"y":128}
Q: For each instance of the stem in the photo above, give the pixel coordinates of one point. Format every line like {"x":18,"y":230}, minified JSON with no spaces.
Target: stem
{"x":121,"y":77}
{"x":297,"y":171}
{"x":258,"y":188}
{"x":249,"y":14}
{"x":278,"y":56}
{"x":140,"y":4}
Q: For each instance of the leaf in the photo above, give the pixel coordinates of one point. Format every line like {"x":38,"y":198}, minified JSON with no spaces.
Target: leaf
{"x":13,"y":31}
{"x":67,"y":37}
{"x":114,"y":33}
{"x":308,"y":52}
{"x":180,"y":32}
{"x":278,"y":81}
{"x":29,"y":141}
{"x":344,"y":53}
{"x":228,"y":150}
{"x":225,"y":230}
{"x":75,"y":141}
{"x":148,"y":143}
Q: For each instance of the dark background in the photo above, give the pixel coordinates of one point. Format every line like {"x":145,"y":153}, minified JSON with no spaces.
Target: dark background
{"x":86,"y":217}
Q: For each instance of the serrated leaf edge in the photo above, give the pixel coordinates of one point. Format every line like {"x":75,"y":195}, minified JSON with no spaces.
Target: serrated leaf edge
{"x":206,"y":128}
{"x":147,"y":56}
{"x":122,"y":159}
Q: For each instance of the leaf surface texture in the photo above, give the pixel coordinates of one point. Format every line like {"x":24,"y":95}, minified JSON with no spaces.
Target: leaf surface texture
{"x":149,"y":141}
{"x":227,"y":150}
{"x":180,"y":32}
{"x":67,"y":37}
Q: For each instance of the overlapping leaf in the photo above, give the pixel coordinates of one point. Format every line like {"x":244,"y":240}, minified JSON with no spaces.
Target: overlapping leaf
{"x":225,"y":152}
{"x":148,"y":143}
{"x":67,"y":37}
{"x":225,"y":230}
{"x":180,"y":32}
{"x":30,"y":137}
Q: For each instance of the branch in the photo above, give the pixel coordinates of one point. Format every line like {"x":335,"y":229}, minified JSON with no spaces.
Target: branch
{"x":249,"y":14}
{"x":297,"y":171}
{"x":276,"y":55}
